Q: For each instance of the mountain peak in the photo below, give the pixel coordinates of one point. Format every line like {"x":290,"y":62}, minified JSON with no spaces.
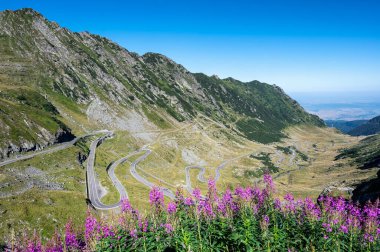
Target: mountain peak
{"x":28,"y":11}
{"x":156,"y":57}
{"x":23,"y":12}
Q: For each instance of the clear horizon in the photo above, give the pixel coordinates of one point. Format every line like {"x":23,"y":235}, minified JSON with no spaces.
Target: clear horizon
{"x":302,"y":47}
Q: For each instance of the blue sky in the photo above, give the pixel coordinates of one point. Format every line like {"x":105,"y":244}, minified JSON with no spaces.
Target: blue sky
{"x":301,"y":45}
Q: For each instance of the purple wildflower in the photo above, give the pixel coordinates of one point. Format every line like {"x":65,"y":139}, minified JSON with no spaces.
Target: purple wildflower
{"x":133,"y":233}
{"x":221,"y":206}
{"x":107,"y":231}
{"x":343,"y":229}
{"x":205,"y":208}
{"x":55,"y":244}
{"x":327,"y":227}
{"x":212,"y":193}
{"x":339,"y":204}
{"x":244,"y":193}
{"x":266,"y":219}
{"x":156,"y":197}
{"x":265,"y":222}
{"x":168,"y":228}
{"x":211,"y":184}
{"x":145,"y":226}
{"x":34,"y":245}
{"x":368,"y":237}
{"x":179,"y":195}
{"x":90,"y":225}
{"x":197,"y":194}
{"x":289,"y":197}
{"x":172,"y":208}
{"x":125,"y":205}
{"x":227,"y":197}
{"x":188,"y":201}
{"x":277,"y":204}
{"x":70,"y":237}
{"x":268,"y":180}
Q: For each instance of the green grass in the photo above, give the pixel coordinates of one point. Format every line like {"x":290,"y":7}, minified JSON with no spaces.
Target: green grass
{"x":267,"y":165}
{"x":288,"y":151}
{"x":155,"y":118}
{"x":266,"y":110}
{"x":46,"y":209}
{"x":24,"y":112}
{"x":366,"y":153}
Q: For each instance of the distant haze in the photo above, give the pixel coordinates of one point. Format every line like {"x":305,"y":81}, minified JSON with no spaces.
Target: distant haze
{"x":340,"y":105}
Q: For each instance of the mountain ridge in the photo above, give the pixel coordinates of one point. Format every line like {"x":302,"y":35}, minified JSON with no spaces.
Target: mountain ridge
{"x":94,"y":83}
{"x":344,"y":126}
{"x":371,"y":127}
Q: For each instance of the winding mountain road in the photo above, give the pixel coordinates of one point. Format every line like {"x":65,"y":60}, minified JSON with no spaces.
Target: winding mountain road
{"x":111,"y":173}
{"x":201,"y":174}
{"x":202,"y":169}
{"x":94,"y":187}
{"x":167,"y":192}
{"x":55,"y":148}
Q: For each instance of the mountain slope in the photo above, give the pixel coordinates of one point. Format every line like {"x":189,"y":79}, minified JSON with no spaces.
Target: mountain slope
{"x":369,"y":128}
{"x":82,"y":81}
{"x":366,"y":155}
{"x":345,"y":126}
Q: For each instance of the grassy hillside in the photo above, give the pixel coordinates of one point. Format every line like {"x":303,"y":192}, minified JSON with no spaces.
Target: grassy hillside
{"x":28,"y":122}
{"x":366,"y":154}
{"x":369,"y":128}
{"x":258,"y":110}
{"x":344,"y":126}
{"x":91,"y":82}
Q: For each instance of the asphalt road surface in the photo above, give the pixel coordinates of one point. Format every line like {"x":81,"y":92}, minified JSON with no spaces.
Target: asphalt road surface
{"x":167,"y":192}
{"x":52,"y":149}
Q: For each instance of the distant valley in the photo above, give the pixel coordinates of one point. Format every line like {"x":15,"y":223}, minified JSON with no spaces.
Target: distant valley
{"x":357,"y":127}
{"x":345,"y":126}
{"x":340,"y":106}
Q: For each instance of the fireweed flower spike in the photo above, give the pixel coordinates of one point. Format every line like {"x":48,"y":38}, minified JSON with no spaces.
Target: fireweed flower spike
{"x":54,"y":244}
{"x":70,"y":237}
{"x":188,"y":201}
{"x":197,"y":194}
{"x":90,"y":225}
{"x":269,"y":183}
{"x":126,"y":205}
{"x":168,"y":228}
{"x":156,"y":198}
{"x":179,"y":198}
{"x":265,"y":222}
{"x":172,"y":207}
{"x":212,"y":192}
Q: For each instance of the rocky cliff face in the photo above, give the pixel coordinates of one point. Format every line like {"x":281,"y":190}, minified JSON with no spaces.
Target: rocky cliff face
{"x":87,"y":81}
